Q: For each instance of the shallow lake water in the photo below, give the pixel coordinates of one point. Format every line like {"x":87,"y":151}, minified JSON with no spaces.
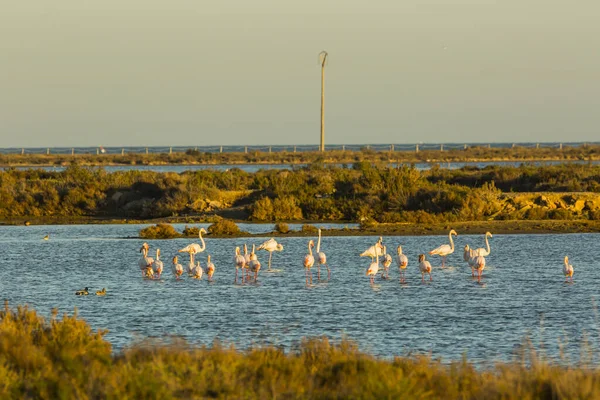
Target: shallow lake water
{"x":521,"y":294}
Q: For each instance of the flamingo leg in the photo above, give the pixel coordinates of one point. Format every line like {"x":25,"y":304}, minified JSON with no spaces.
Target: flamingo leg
{"x":422,"y":277}
{"x":328,"y":272}
{"x":319,"y":271}
{"x":443,"y":261}
{"x":430,"y":279}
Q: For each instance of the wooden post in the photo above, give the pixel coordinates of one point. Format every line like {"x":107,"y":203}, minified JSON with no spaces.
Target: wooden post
{"x":537,"y":145}
{"x":72,"y":151}
{"x":391,"y":147}
{"x":465,"y":146}
{"x":246,"y":149}
{"x":441,"y":147}
{"x":294,"y":148}
{"x":170,"y":150}
{"x":221,"y":149}
{"x":146,"y":151}
{"x":513,"y":146}
{"x":269,"y":149}
{"x":489,"y":146}
{"x":48,"y":151}
{"x":417,"y":148}
{"x":560,"y":146}
{"x":122,"y":152}
{"x":368,"y":147}
{"x":97,"y":151}
{"x":23,"y":151}
{"x":343,"y":147}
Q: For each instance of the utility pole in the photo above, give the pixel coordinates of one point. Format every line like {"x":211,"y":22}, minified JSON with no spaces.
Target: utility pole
{"x":322,"y":61}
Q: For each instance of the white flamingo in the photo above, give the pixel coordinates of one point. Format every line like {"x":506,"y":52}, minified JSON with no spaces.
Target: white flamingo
{"x":402,"y":263}
{"x":479,"y":265}
{"x":145,"y":262}
{"x":469,"y":257}
{"x":373,"y":269}
{"x":568,"y":270}
{"x":374,"y":251}
{"x":445,"y":249}
{"x":191,"y":265}
{"x":195,"y":248}
{"x":270,"y":245}
{"x":210,"y":268}
{"x":248,"y":258}
{"x":309,"y":261}
{"x":387,"y":261}
{"x":424,"y":267}
{"x":177,"y":268}
{"x":198,"y":271}
{"x":485,"y":251}
{"x":240,"y":262}
{"x":254,"y":266}
{"x":321,"y":259}
{"x":158,"y":265}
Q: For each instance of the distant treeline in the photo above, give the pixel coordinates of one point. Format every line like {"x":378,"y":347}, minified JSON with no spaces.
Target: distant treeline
{"x":476,"y":153}
{"x":63,"y":358}
{"x":361,"y":192}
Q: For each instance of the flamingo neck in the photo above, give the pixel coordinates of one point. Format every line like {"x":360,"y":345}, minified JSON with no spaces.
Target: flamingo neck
{"x":451,"y":241}
{"x":310,"y":248}
{"x":201,"y":240}
{"x":319,"y":242}
{"x":487,"y":244}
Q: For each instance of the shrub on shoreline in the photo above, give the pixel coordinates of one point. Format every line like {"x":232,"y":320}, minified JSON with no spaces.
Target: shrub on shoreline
{"x":159,"y":231}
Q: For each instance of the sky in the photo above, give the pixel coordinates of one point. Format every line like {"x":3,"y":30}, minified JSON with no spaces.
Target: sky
{"x":237,"y":72}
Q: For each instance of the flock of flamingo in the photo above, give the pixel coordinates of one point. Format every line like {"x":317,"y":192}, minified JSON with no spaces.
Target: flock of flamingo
{"x":152,"y":268}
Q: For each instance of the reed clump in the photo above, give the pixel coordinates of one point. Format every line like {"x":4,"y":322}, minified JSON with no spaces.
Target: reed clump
{"x":64,"y":358}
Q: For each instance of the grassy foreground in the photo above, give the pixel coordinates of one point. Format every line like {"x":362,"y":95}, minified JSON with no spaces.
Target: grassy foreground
{"x":63,"y":358}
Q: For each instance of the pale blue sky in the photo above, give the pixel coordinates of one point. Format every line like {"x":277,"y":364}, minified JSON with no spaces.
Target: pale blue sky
{"x":189,"y":72}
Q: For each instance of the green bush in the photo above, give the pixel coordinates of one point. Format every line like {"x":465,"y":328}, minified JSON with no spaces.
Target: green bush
{"x":262,"y":210}
{"x":306,"y":228}
{"x":224,"y":227}
{"x":159,"y":231}
{"x":282,"y":227}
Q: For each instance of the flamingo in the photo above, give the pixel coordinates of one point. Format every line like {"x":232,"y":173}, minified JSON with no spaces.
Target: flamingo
{"x":387,"y":261}
{"x":177,"y":268}
{"x":145,"y":262}
{"x":479,"y":265}
{"x":254,"y":265}
{"x":158,"y":265}
{"x":374,"y":251}
{"x":309,"y":261}
{"x":198,"y":271}
{"x":485,"y":252}
{"x":248,"y":258}
{"x":195,"y":248}
{"x":568,"y":270}
{"x":445,"y":249}
{"x":322,"y":259}
{"x":191,"y":266}
{"x":402,"y":263}
{"x":240,"y":262}
{"x":270,"y":245}
{"x":210,"y":268}
{"x":424,"y":267}
{"x":469,"y":257}
{"x":373,"y":269}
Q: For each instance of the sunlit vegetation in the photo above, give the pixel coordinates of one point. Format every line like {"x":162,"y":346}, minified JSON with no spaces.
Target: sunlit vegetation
{"x":470,"y":153}
{"x":364,"y":192}
{"x":62,"y":357}
{"x":159,"y":231}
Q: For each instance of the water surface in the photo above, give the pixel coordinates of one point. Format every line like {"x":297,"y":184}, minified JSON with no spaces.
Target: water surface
{"x":522,"y":293}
